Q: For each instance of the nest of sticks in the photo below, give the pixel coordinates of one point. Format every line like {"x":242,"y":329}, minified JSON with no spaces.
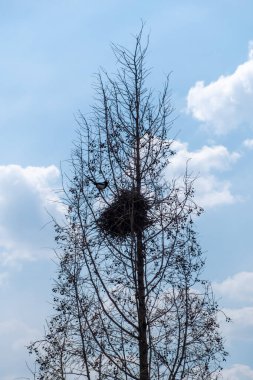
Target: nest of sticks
{"x":126,"y":215}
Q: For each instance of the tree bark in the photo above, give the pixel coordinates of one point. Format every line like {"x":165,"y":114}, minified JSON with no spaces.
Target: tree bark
{"x":143,"y":345}
{"x":142,"y":311}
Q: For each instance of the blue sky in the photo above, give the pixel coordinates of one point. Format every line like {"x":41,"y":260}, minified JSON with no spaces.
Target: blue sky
{"x":49,"y":52}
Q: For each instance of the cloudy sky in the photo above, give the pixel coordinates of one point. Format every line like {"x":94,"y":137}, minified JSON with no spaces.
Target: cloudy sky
{"x":49,"y":53}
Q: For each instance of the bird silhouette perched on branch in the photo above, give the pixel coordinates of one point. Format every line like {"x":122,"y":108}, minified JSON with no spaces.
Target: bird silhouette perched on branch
{"x":100,"y":185}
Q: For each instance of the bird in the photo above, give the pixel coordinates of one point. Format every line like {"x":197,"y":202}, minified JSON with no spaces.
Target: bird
{"x":101,"y":185}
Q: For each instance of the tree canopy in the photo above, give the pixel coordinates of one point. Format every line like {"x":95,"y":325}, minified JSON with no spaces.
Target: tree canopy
{"x":129,"y":299}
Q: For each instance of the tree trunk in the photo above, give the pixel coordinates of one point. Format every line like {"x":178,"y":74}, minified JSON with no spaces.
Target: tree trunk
{"x":142,"y":312}
{"x":143,"y":345}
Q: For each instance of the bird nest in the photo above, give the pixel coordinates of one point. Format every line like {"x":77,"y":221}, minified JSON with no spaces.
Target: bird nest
{"x":126,"y":215}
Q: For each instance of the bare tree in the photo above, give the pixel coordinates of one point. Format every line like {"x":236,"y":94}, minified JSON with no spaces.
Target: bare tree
{"x":129,"y":299}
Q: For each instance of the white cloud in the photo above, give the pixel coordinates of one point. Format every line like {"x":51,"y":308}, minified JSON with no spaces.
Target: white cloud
{"x":203,"y":163}
{"x":206,"y":159}
{"x":15,"y":335}
{"x":236,"y":288}
{"x":226,"y":103}
{"x":3,"y":278}
{"x":238,"y":372}
{"x":240,"y":330}
{"x":248,"y":143}
{"x":25,"y":195}
{"x":212,"y":192}
{"x":18,"y":332}
{"x":237,"y":292}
